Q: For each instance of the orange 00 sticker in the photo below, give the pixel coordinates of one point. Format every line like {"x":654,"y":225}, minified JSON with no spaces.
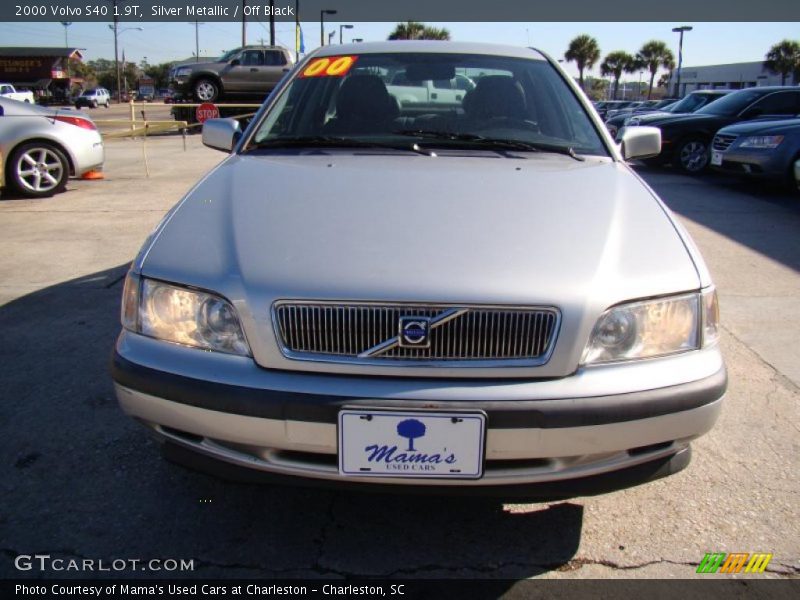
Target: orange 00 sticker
{"x":329,"y":67}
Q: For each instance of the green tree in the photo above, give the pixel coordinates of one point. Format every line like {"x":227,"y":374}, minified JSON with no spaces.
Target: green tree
{"x":412,"y":30}
{"x":585,"y":52}
{"x":160,"y":73}
{"x":615,"y":64}
{"x":783,"y":59}
{"x":84,"y":73}
{"x":653,"y":56}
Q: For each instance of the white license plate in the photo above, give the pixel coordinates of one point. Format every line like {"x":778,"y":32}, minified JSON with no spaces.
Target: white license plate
{"x":716,"y":158}
{"x":411,"y":444}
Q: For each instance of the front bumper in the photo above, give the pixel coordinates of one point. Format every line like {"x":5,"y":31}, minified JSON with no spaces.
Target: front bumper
{"x":754,"y":164}
{"x":538,"y":432}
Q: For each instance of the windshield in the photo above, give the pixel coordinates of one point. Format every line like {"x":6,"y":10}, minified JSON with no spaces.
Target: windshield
{"x":691,"y":103}
{"x":429,"y":100}
{"x":228,"y":55}
{"x":732,"y":104}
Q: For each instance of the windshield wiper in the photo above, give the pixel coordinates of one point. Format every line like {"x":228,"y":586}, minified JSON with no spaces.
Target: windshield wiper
{"x":332,"y":141}
{"x":479,"y":140}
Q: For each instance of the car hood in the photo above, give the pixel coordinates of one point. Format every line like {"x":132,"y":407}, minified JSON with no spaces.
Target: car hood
{"x":762,"y":127}
{"x":483,"y":229}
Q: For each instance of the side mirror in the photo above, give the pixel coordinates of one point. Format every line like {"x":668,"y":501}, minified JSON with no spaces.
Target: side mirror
{"x":221,"y":134}
{"x":235,"y":62}
{"x":641,"y":142}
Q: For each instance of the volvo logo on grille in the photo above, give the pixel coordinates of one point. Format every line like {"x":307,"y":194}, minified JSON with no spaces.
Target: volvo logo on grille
{"x":415,"y":332}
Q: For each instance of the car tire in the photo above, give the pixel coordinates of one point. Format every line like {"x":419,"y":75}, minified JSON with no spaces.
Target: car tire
{"x":37,"y":170}
{"x":691,"y":155}
{"x":206,"y":90}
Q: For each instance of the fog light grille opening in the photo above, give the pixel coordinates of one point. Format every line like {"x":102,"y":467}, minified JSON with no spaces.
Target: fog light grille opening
{"x":306,"y":458}
{"x":649,"y":449}
{"x":184,"y":435}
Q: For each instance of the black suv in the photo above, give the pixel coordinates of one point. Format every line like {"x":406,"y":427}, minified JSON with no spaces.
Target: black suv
{"x":688,"y":104}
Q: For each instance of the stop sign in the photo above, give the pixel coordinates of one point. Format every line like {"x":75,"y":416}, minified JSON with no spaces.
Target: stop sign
{"x":206,"y":111}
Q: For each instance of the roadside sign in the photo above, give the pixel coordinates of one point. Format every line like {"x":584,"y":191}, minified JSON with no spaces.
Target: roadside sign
{"x":206,"y":111}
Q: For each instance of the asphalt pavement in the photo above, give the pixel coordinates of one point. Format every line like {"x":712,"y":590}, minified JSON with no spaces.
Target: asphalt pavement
{"x":80,"y":480}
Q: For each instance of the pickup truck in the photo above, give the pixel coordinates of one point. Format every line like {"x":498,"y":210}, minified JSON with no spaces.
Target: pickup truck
{"x":429,"y":93}
{"x":8,"y":91}
{"x":250,"y":70}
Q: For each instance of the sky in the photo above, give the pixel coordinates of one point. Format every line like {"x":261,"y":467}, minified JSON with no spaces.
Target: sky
{"x":708,"y":43}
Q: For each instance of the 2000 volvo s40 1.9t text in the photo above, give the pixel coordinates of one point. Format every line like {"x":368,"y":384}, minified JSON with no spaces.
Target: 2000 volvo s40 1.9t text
{"x":468,"y":290}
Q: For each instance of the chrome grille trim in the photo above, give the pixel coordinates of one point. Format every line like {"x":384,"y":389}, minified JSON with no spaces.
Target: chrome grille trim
{"x":723,"y":141}
{"x":461,"y":335}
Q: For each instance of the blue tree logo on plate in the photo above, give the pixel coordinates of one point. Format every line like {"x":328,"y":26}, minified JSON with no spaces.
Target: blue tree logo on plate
{"x":411,"y":429}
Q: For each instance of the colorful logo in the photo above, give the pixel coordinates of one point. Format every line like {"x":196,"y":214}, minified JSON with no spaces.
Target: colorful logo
{"x":719,"y":562}
{"x":335,"y":66}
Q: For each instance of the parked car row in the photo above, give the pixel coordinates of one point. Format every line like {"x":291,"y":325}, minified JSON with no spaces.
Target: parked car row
{"x":689,"y":104}
{"x":753,"y":132}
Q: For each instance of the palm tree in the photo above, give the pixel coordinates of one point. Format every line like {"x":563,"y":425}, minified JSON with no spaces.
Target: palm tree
{"x":585,"y":51}
{"x":616,"y":63}
{"x":654,"y":55}
{"x":784,"y":58}
{"x":412,"y":30}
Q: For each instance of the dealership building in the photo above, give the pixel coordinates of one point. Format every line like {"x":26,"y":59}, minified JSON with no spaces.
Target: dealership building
{"x":44,"y":70}
{"x":726,"y":77}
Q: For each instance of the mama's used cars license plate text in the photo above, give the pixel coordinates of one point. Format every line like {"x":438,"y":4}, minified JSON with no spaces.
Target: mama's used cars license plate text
{"x":411,"y":444}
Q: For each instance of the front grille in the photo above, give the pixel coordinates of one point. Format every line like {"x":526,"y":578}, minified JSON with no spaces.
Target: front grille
{"x":723,"y":141}
{"x":370,"y":332}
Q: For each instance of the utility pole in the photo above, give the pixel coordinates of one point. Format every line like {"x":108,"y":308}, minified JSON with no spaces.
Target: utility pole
{"x":680,"y":30}
{"x":116,"y":51}
{"x":244,"y":24}
{"x":271,"y":22}
{"x":297,"y":30}
{"x":322,"y":13}
{"x":197,"y":38}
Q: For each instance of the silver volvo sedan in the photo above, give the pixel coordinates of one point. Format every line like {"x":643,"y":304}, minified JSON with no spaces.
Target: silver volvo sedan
{"x":466,"y":290}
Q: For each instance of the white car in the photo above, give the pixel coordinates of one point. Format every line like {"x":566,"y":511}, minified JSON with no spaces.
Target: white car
{"x":40,"y":147}
{"x":9,"y":91}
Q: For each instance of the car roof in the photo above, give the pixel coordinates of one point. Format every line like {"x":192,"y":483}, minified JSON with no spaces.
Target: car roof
{"x":712,"y":92}
{"x":429,"y":46}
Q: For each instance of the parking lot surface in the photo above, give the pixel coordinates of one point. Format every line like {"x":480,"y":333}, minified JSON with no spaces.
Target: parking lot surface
{"x":80,"y":480}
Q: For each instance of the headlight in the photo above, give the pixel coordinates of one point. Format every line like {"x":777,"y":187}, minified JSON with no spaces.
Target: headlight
{"x":182,"y":73}
{"x":181,"y":315}
{"x":761,"y":141}
{"x":653,"y":328}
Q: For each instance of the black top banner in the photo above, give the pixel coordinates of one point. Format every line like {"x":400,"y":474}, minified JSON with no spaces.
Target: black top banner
{"x":400,"y":10}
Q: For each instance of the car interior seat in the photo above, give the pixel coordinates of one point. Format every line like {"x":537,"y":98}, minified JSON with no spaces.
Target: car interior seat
{"x":496,"y":96}
{"x":363,"y":105}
